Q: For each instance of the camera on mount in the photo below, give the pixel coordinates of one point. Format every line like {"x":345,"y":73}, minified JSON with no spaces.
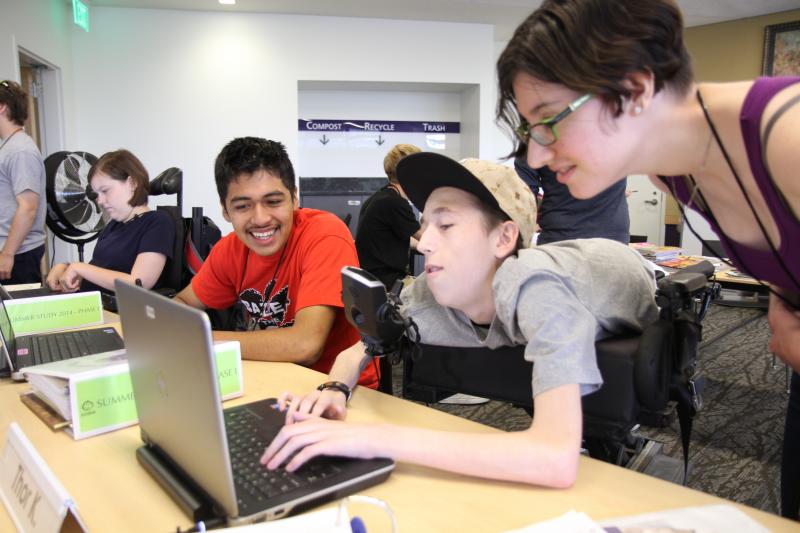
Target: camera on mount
{"x":376,"y":314}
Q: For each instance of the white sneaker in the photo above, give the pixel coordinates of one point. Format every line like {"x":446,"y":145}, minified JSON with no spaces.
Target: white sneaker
{"x":463,"y":399}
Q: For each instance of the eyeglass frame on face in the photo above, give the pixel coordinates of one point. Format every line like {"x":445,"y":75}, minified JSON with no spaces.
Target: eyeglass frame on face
{"x":526,"y":131}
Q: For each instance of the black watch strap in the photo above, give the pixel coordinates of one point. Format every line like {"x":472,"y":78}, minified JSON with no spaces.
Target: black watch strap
{"x":337,"y":385}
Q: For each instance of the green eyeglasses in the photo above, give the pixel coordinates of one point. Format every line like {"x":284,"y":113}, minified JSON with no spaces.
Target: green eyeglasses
{"x":544,"y":132}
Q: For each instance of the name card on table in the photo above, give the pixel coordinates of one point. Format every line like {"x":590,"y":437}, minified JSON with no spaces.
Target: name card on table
{"x":33,"y":496}
{"x":60,"y":311}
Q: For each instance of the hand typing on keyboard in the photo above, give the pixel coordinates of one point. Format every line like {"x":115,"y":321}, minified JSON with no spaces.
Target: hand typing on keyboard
{"x":310,"y":436}
{"x":327,"y":404}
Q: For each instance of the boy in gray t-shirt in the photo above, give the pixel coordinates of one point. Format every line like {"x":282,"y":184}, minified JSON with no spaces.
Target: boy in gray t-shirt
{"x":482,"y":288}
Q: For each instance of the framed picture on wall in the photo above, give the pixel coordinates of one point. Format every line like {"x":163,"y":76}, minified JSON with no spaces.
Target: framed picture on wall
{"x":782,"y":49}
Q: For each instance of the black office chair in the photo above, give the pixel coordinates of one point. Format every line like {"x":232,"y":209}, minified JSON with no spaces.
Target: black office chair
{"x":171,"y":182}
{"x":172,"y":277}
{"x":648,"y":377}
{"x":194,"y":236}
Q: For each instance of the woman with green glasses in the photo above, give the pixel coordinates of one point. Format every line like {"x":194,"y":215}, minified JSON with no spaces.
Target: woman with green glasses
{"x":600,"y":89}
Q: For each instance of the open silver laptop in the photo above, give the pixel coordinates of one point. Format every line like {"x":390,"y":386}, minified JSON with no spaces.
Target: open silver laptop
{"x":193,"y":446}
{"x":24,"y":351}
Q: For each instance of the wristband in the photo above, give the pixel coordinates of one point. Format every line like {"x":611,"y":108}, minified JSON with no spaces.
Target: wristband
{"x":337,"y":385}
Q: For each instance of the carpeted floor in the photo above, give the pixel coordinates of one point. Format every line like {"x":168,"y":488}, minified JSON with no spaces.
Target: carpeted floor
{"x":736,"y":439}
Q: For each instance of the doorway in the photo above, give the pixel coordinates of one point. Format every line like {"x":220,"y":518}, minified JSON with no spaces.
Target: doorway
{"x":647,"y":208}
{"x":42,"y":81}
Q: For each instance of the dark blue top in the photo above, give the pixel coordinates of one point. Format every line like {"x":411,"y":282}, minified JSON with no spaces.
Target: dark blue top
{"x":120,"y":242}
{"x":563,"y":217}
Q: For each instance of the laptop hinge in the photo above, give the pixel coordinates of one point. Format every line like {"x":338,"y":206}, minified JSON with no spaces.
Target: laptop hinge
{"x":189,"y":497}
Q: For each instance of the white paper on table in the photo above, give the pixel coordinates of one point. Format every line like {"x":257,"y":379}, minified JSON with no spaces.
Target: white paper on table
{"x":334,"y":520}
{"x":721,"y":518}
{"x":570,"y":522}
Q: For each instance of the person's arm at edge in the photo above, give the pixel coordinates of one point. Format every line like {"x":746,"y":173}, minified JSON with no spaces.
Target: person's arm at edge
{"x":188,"y":297}
{"x":301,"y":343}
{"x":21,"y":224}
{"x":329,"y":403}
{"x":53,"y":279}
{"x":147,"y":268}
{"x":546,"y":454}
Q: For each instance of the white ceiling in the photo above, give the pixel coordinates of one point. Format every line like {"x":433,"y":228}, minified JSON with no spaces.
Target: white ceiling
{"x":505,"y":15}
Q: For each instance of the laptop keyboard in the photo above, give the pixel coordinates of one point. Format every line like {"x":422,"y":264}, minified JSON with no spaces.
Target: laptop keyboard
{"x":246,"y":444}
{"x":48,"y":348}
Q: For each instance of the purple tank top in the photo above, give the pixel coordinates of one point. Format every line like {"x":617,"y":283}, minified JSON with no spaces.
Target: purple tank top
{"x":760,"y":264}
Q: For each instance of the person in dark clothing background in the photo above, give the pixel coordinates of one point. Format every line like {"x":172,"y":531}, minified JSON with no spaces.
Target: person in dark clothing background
{"x":563,"y":217}
{"x":386,"y":225}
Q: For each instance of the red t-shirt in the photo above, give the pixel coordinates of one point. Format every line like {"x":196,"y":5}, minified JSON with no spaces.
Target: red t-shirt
{"x":309,"y":274}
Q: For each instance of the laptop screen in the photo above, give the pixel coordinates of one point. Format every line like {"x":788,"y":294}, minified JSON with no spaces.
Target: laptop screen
{"x":6,"y":330}
{"x":7,"y":339}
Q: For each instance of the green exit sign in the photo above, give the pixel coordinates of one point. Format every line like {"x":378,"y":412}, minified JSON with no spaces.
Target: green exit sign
{"x":80,"y":14}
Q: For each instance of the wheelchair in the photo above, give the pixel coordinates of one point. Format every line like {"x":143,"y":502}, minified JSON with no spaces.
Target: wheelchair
{"x":194,"y":237}
{"x":648,"y":377}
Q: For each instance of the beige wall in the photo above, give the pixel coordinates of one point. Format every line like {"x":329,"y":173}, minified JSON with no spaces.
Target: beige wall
{"x":733,"y":50}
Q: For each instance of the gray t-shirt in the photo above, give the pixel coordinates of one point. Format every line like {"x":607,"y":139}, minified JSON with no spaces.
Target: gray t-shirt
{"x":21,"y":169}
{"x":556,"y":300}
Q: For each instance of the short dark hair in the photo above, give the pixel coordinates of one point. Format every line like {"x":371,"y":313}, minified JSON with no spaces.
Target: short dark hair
{"x":121,"y":165}
{"x":247,"y":155}
{"x":590,"y":46}
{"x":13,"y":96}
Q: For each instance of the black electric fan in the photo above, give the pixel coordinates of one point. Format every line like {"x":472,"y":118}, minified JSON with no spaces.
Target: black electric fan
{"x":72,"y":210}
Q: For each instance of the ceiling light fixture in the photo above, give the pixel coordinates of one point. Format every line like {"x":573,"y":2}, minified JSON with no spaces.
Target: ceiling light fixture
{"x":227,"y":2}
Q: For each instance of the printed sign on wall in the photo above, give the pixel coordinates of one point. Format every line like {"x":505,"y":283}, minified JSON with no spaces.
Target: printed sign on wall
{"x":357,"y":147}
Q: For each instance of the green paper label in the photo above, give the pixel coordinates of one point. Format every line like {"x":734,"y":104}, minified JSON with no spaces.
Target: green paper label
{"x":108,"y":401}
{"x":228,"y":370}
{"x":53,"y":313}
{"x":105,"y":401}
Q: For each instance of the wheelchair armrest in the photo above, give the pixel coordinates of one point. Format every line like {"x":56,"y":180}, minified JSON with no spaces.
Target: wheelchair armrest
{"x":680,"y":290}
{"x":683,"y":283}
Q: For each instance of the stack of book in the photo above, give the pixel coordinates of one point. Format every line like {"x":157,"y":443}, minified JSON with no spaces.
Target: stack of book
{"x":683,"y":261}
{"x":93,"y":394}
{"x":656,"y":253}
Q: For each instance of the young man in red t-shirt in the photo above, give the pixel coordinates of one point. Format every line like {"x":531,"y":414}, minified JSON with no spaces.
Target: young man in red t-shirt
{"x":282,"y":264}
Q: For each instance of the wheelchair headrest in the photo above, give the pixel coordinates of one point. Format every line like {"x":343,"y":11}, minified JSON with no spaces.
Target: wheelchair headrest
{"x":168,"y":182}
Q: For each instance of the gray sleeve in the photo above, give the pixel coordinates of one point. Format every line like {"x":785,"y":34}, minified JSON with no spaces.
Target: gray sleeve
{"x":26,"y":171}
{"x":560,"y":333}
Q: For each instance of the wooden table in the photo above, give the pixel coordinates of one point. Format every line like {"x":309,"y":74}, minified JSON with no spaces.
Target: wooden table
{"x":113,"y":493}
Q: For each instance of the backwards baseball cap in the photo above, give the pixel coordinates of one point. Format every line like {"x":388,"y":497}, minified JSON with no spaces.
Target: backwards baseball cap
{"x":494,"y":184}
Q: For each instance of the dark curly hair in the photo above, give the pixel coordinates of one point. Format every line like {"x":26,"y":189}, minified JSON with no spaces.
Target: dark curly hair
{"x":591,"y":46}
{"x":13,"y":96}
{"x":246,"y":155}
